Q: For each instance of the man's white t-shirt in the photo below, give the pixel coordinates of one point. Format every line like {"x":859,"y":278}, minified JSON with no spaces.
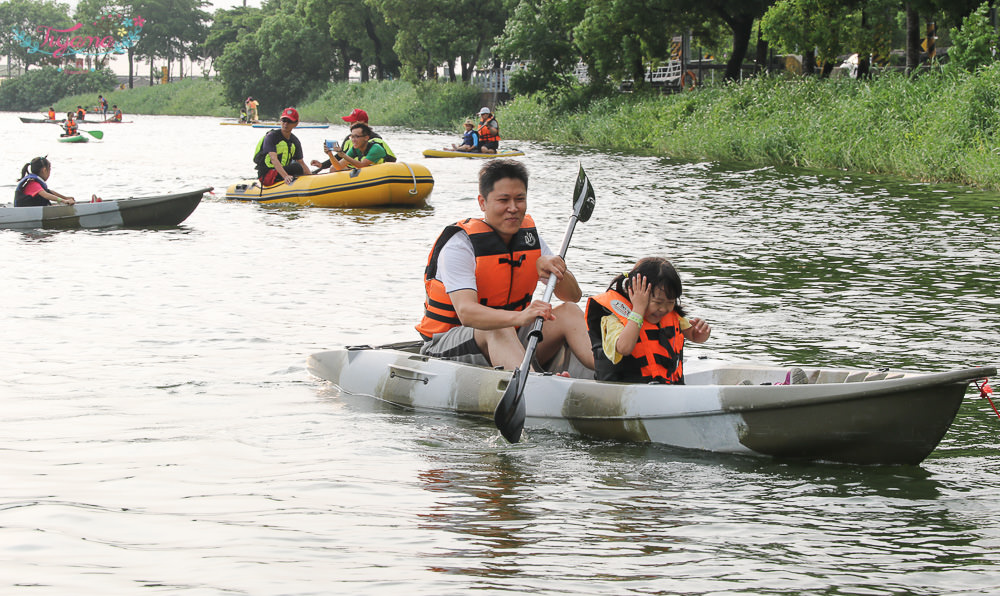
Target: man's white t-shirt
{"x":457,"y":263}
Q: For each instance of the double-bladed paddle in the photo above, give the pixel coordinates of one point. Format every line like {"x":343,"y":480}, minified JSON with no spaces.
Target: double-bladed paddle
{"x":509,"y":415}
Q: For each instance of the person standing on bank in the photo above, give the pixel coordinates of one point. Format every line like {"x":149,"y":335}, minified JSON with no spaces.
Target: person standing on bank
{"x":488,"y":131}
{"x":279,"y":153}
{"x":480,"y":277}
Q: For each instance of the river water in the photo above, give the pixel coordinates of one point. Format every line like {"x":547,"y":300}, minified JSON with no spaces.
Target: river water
{"x":161,"y":433}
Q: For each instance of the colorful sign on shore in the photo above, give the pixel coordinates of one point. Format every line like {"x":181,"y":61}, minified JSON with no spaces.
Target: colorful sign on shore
{"x":81,"y":40}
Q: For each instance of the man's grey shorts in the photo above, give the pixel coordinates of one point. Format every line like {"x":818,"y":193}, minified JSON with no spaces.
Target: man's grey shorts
{"x":458,"y":343}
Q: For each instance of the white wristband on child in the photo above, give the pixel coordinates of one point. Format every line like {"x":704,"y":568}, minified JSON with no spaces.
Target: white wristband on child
{"x":635,"y":318}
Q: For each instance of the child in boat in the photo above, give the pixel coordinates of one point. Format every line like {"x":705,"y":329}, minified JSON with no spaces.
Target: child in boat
{"x":470,"y":140}
{"x":32,"y":190}
{"x":637,"y":327}
{"x":69,"y":126}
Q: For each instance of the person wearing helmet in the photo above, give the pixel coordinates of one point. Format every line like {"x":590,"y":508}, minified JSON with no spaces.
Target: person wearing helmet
{"x":489,"y":132}
{"x":279,"y":152}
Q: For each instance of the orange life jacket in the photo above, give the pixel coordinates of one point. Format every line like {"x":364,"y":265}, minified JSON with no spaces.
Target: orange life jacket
{"x":505,"y":274}
{"x":71,"y":128}
{"x":658,"y":355}
{"x":485,"y":132}
{"x":52,"y":114}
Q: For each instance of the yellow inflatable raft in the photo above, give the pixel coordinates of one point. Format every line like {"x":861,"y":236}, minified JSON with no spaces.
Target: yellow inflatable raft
{"x":450,"y":153}
{"x":384,"y":185}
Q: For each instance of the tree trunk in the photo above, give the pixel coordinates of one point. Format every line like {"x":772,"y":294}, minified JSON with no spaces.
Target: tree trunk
{"x":131,"y":65}
{"x":912,"y":39}
{"x":760,"y":59}
{"x":809,"y":62}
{"x":742,"y":27}
{"x":864,"y":67}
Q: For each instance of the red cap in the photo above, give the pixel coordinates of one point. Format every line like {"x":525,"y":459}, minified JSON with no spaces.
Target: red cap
{"x":290,"y":113}
{"x":357,"y":116}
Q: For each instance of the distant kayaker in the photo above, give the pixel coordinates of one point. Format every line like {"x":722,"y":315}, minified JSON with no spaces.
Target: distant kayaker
{"x":488,"y":131}
{"x":32,"y":190}
{"x":69,"y":126}
{"x":52,"y":113}
{"x":279,"y":152}
{"x":470,"y":140}
{"x":252,"y":105}
{"x":637,"y":327}
{"x":116,"y":114}
{"x":81,"y":114}
{"x":102,"y":104}
{"x":480,"y":277}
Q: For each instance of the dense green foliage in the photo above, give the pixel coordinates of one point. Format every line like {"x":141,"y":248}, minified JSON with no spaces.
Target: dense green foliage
{"x":41,"y":87}
{"x":425,"y":105}
{"x":429,"y":104}
{"x":937,"y":127}
{"x":975,"y":42}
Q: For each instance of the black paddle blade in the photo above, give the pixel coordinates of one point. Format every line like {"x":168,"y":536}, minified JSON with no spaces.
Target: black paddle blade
{"x":583,"y":197}
{"x":509,"y":415}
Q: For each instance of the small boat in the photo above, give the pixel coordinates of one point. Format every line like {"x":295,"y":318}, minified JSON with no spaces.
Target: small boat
{"x":841,"y":415}
{"x":38,"y":120}
{"x":244,"y":123}
{"x":78,"y":138}
{"x":450,"y":153}
{"x":163,"y":210}
{"x":384,"y":185}
{"x":299,"y":127}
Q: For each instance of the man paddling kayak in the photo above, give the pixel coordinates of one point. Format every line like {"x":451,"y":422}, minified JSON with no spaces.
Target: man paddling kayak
{"x":480,"y":277}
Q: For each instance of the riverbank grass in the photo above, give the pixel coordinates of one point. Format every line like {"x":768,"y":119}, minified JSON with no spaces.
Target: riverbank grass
{"x":938,"y":127}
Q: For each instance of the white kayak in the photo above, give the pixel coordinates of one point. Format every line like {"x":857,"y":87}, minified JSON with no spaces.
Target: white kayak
{"x":163,"y":210}
{"x":841,"y":415}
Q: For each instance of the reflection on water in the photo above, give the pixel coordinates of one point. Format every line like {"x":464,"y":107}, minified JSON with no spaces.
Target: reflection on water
{"x":161,"y":429}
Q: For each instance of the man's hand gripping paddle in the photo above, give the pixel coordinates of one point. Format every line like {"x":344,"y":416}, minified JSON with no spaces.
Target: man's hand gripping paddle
{"x":509,"y":415}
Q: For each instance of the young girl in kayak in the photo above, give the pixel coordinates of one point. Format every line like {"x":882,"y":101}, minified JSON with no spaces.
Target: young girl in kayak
{"x":31,"y":190}
{"x":637,"y":327}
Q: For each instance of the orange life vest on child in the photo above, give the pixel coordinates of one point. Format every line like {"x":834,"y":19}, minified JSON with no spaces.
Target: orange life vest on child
{"x":658,"y":355}
{"x":506,"y":276}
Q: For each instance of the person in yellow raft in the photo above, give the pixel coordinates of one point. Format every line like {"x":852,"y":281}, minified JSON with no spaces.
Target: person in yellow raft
{"x":279,"y":153}
{"x":488,"y":131}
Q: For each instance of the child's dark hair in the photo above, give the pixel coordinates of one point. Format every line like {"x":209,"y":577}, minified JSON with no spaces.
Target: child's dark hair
{"x":659,"y":273}
{"x":36,"y":166}
{"x":497,"y":169}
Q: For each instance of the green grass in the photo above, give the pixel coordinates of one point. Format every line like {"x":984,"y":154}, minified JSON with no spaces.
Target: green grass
{"x":187,"y":97}
{"x":938,"y":127}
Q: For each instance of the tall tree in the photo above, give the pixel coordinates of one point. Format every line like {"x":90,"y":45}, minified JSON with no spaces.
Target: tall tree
{"x":228,"y":25}
{"x":540,"y":36}
{"x":446,"y":30}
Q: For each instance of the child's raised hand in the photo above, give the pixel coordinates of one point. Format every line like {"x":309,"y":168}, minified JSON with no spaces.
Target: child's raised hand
{"x":638,"y":294}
